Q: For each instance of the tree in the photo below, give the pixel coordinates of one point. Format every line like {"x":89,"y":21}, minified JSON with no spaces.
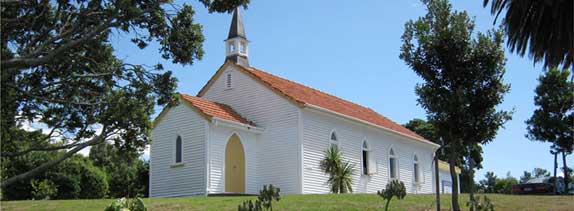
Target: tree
{"x":525,"y":177}
{"x":462,"y":81}
{"x":127,"y":175}
{"x":393,"y":188}
{"x":59,"y":69}
{"x":553,"y":120}
{"x":489,"y":182}
{"x":541,"y":28}
{"x":340,"y":172}
{"x":540,"y":172}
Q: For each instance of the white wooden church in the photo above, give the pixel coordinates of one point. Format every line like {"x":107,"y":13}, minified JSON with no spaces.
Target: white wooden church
{"x":247,"y":128}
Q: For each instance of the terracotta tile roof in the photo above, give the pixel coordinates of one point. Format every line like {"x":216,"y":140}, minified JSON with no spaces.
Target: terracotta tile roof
{"x":213,"y":109}
{"x":307,"y":95}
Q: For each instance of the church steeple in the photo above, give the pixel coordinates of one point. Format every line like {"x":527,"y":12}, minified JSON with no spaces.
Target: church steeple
{"x":236,"y":42}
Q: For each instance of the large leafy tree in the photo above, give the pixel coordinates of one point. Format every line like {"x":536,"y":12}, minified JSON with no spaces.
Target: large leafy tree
{"x":59,"y":69}
{"x":553,"y":120}
{"x":428,"y":131}
{"x":543,"y":29}
{"x":462,"y":80}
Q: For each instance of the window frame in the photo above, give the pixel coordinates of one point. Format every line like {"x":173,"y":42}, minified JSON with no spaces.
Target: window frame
{"x":365,"y":155}
{"x":393,"y":155}
{"x":335,"y":141}
{"x":179,"y":139}
{"x":417,"y":176}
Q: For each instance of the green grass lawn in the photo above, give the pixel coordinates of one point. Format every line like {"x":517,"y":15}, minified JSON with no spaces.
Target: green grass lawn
{"x":307,"y":202}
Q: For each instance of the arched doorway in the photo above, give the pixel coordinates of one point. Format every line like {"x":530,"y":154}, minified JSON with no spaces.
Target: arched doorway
{"x":234,"y":166}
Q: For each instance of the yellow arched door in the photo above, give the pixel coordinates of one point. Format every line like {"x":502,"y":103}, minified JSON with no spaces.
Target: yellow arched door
{"x":234,"y":166}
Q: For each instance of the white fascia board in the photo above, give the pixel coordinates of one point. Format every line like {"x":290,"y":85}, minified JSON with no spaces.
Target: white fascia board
{"x":412,"y":138}
{"x":236,"y":125}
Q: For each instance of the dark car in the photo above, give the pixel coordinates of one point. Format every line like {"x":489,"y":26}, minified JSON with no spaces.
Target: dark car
{"x":541,"y":185}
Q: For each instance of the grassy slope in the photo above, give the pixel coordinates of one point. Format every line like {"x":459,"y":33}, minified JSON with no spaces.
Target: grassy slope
{"x":307,"y":202}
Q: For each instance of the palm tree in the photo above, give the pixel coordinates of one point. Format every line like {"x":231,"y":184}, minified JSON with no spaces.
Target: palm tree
{"x":340,"y":172}
{"x":544,"y":27}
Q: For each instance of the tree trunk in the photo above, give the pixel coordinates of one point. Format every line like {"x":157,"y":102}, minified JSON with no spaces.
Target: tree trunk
{"x":555,"y":167}
{"x":452,"y":164}
{"x":471,"y":183}
{"x":436,"y":180}
{"x":566,"y":172}
{"x":387,"y":204}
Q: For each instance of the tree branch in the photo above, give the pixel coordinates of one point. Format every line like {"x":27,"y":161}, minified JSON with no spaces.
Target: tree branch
{"x":26,"y":175}
{"x":24,"y":62}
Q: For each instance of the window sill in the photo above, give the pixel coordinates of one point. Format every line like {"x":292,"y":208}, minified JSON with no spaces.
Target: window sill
{"x":177,"y":165}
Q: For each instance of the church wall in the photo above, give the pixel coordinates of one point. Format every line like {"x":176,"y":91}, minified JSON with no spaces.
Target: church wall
{"x":277,"y":147}
{"x":189,"y":179}
{"x":219,"y":136}
{"x":317,"y":128}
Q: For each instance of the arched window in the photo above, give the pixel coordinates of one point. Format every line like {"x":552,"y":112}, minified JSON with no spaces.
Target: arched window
{"x":417,"y":172}
{"x":178,"y":149}
{"x":393,"y":168}
{"x":366,"y":156}
{"x":333,"y":140}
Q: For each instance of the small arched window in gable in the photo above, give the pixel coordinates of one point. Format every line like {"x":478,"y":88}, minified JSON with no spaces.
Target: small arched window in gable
{"x":393,"y":168}
{"x":333,"y":140}
{"x":416,"y":169}
{"x":178,"y":150}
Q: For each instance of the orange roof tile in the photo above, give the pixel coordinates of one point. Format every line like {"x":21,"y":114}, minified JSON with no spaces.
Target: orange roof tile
{"x":307,"y":95}
{"x":213,"y":109}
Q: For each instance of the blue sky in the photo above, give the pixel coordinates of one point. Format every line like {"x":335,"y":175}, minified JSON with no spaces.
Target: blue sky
{"x":351,"y":50}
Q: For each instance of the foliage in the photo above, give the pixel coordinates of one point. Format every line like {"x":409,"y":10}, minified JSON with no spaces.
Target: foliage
{"x":59,"y":69}
{"x":127,"y":204}
{"x":463,"y":80}
{"x":541,"y":28}
{"x":75,"y":178}
{"x":429,"y":132}
{"x":553,"y":119}
{"x":340,"y":172}
{"x":45,"y":189}
{"x":525,"y":177}
{"x":493,"y":184}
{"x":481,"y":205}
{"x":127,"y":174}
{"x":540,"y":172}
{"x":393,"y":188}
{"x":264,"y":200}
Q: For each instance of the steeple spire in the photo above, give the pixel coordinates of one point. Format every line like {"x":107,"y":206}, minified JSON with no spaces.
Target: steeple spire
{"x":236,"y":29}
{"x":236,"y":42}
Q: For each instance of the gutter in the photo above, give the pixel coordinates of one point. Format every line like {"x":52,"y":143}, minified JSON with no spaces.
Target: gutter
{"x":317,"y":108}
{"x":236,"y":125}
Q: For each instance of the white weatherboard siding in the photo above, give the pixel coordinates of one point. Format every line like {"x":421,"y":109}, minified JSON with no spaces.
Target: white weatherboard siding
{"x":445,"y":181}
{"x":218,"y":141}
{"x":317,"y":128}
{"x":188,"y":179}
{"x":277,"y":150}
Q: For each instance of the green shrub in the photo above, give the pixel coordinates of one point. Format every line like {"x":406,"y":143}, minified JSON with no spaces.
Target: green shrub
{"x":44,"y":189}
{"x":484,"y":205}
{"x":264,"y":200}
{"x":124,"y":204}
{"x":394,"y":188}
{"x":340,"y":172}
